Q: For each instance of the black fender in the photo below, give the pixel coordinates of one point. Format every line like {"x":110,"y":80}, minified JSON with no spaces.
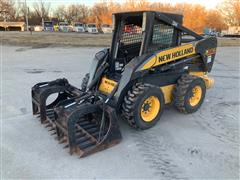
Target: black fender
{"x":207,"y":49}
{"x":97,"y":61}
{"x":128,"y":78}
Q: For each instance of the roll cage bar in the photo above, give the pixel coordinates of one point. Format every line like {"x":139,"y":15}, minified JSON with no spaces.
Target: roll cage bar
{"x":146,"y":20}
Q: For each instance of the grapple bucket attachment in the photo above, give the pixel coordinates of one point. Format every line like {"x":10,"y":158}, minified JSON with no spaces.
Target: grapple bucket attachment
{"x":82,"y":126}
{"x":87,"y":128}
{"x":41,"y":91}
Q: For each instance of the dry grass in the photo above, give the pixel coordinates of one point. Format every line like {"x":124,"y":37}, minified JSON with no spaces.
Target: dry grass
{"x":228,"y":42}
{"x":44,"y":39}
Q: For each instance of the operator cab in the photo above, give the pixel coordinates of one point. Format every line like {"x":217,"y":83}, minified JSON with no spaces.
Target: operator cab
{"x":139,"y":33}
{"x":136,"y":37}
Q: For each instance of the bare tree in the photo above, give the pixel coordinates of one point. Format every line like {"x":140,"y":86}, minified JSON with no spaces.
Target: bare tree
{"x":77,"y":12}
{"x":61,"y":13}
{"x":83,"y":13}
{"x":21,"y":11}
{"x":7,"y":10}
{"x":41,"y":9}
{"x":73,"y":12}
{"x":215,"y":20}
{"x":99,"y":11}
{"x":230,"y":9}
{"x":102,"y":12}
{"x":143,"y":5}
{"x":195,"y":17}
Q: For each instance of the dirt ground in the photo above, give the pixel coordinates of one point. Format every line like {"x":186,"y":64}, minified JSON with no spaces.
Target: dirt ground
{"x":203,"y":145}
{"x":46,"y":39}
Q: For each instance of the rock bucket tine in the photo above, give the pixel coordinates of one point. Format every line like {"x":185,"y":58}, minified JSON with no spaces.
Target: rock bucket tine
{"x":52,"y":129}
{"x":63,"y":140}
{"x":66,"y":146}
{"x":45,"y":122}
{"x":53,"y":133}
{"x":48,"y":125}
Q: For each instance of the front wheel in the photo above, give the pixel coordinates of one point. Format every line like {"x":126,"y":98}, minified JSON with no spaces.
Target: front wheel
{"x":143,"y":106}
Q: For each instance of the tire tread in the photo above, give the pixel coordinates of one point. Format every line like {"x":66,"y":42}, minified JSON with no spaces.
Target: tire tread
{"x":129,"y":101}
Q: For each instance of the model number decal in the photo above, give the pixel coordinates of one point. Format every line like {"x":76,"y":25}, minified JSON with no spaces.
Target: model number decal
{"x":107,"y":85}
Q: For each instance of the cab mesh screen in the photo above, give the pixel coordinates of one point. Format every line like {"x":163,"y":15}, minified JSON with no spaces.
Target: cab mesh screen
{"x":162,"y":37}
{"x":131,"y":34}
{"x":131,"y":39}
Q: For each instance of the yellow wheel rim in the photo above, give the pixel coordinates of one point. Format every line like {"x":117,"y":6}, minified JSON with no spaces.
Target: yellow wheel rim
{"x":196,"y":96}
{"x":150,"y":108}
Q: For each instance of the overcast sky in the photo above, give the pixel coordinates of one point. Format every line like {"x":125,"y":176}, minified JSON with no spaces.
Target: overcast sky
{"x":54,"y":3}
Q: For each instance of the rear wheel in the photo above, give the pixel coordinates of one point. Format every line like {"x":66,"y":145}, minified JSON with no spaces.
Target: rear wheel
{"x":143,"y":106}
{"x":189,"y":93}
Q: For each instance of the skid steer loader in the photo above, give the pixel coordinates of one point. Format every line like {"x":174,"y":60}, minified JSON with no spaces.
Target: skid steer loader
{"x":153,"y":62}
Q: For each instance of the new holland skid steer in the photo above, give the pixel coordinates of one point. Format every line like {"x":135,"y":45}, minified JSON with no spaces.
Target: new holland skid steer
{"x":153,"y":62}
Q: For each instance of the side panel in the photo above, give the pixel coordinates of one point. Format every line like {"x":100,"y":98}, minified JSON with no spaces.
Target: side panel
{"x":162,"y":79}
{"x":207,"y":49}
{"x":169,"y":55}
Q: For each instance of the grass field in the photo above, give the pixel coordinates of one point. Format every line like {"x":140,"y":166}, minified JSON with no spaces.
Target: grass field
{"x":55,"y":39}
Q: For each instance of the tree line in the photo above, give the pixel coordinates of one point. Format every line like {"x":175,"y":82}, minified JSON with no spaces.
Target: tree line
{"x":196,"y":17}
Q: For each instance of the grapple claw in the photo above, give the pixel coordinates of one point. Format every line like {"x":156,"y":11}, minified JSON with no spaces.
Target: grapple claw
{"x":44,"y":122}
{"x":85,"y":126}
{"x":62,"y":141}
{"x":52,"y":129}
{"x":66,"y":146}
{"x":53,"y":133}
{"x":41,"y":91}
{"x":82,"y":125}
{"x":48,"y":125}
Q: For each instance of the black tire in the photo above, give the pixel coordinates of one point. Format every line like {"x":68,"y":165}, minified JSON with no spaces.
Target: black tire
{"x":133,"y":102}
{"x":183,"y":93}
